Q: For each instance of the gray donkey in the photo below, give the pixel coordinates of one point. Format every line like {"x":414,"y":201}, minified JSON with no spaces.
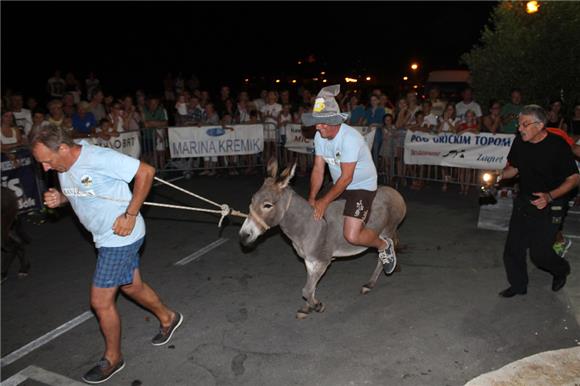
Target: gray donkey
{"x":317,"y":242}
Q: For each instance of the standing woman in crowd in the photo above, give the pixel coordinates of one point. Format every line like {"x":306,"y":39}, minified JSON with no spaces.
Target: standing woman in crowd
{"x":491,"y":122}
{"x":11,"y":137}
{"x":388,"y":147}
{"x":404,"y":119}
{"x":131,"y":117}
{"x":448,"y":123}
{"x":356,"y":110}
{"x":555,"y":117}
{"x":471,"y":125}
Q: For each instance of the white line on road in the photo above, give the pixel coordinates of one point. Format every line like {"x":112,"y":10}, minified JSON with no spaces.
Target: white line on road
{"x":196,"y":255}
{"x":41,"y":375}
{"x":15,"y":355}
{"x":572,"y":236}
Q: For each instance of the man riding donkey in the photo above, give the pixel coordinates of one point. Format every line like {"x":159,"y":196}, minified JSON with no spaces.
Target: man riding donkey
{"x":353,"y":172}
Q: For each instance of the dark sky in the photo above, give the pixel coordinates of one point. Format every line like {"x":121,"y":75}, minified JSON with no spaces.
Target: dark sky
{"x":133,"y":44}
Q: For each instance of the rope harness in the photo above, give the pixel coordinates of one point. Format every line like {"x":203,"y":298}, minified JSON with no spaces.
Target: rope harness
{"x":224,"y":210}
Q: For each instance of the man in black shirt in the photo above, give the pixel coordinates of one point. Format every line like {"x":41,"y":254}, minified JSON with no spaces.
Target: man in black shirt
{"x":547,"y":171}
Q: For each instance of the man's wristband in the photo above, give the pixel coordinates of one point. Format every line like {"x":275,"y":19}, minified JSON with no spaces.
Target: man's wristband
{"x":132,"y":215}
{"x":551,"y":198}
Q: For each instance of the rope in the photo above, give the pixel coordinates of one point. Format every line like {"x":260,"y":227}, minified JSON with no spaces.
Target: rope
{"x":224,"y":210}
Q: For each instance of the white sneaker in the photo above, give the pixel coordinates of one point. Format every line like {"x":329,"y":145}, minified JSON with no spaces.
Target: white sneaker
{"x":387,"y":256}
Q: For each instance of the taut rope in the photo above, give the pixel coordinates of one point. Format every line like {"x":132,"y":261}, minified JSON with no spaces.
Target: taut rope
{"x":224,"y":210}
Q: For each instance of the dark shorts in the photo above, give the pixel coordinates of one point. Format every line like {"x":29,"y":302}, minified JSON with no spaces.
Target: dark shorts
{"x":115,"y":265}
{"x":358,"y":203}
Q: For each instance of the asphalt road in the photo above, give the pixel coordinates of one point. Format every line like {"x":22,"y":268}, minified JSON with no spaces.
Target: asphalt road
{"x":438,"y":321}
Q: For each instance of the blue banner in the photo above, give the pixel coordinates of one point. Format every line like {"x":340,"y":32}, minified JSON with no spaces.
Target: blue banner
{"x":19,"y":175}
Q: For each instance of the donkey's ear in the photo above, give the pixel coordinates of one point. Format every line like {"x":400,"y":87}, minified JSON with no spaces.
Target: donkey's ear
{"x":272,"y":167}
{"x":287,"y":175}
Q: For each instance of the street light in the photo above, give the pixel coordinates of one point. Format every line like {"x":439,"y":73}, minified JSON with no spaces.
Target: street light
{"x":532,"y":7}
{"x":368,"y":78}
{"x":405,"y":78}
{"x":414,"y":66}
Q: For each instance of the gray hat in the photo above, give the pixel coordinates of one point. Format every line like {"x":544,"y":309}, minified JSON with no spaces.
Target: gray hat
{"x":326,"y":109}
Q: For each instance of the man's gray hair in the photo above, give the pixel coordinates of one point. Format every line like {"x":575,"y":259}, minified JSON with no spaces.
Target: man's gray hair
{"x":537,"y":112}
{"x":51,"y":136}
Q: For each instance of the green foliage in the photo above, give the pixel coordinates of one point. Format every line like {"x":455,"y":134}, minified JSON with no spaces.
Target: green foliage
{"x":538,"y":53}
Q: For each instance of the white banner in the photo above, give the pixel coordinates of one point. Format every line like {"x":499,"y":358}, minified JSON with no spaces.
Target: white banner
{"x":126,"y":143}
{"x":475,"y":151}
{"x":204,"y":141}
{"x":296,"y":142}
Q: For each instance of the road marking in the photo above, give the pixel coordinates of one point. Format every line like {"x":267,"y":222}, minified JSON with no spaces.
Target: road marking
{"x":41,"y":375}
{"x":196,"y":255}
{"x":15,"y":355}
{"x":572,"y":236}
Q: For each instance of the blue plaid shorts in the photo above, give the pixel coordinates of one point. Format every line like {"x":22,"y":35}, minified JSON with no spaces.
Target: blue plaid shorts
{"x":115,"y":265}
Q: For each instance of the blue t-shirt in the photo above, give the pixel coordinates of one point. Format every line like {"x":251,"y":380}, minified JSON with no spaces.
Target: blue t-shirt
{"x":357,"y":113}
{"x":97,"y":188}
{"x":85,"y":124}
{"x":348,"y":146}
{"x":375,"y":117}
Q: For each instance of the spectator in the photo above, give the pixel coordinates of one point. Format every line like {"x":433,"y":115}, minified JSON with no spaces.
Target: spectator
{"x":430,"y":121}
{"x":220,"y":105}
{"x":116,"y":119}
{"x":511,"y":111}
{"x":155,"y":117}
{"x":269,"y":116}
{"x":55,"y":86}
{"x":68,"y":104}
{"x":210,"y":163}
{"x":387,"y":153}
{"x":555,"y":117}
{"x":491,"y":123}
{"x":467,"y":103}
{"x":181,"y":116}
{"x":242,"y":112}
{"x":179,"y":83}
{"x":418,"y":122}
{"x":204,"y":98}
{"x":108,"y":103}
{"x":131,"y":116}
{"x":11,"y":137}
{"x":412,"y":103}
{"x":104,"y":130}
{"x":448,"y":123}
{"x":196,"y":113}
{"x":261,"y":101}
{"x":470,"y":125}
{"x":92,"y":84}
{"x":192,"y":83}
{"x":438,"y":105}
{"x":284,"y":118}
{"x":31,"y":103}
{"x":83,"y":121}
{"x":55,"y":113}
{"x":356,"y":110}
{"x":67,"y":126}
{"x":22,"y":116}
{"x":374,"y":118}
{"x":386,"y":104}
{"x":96,"y":105}
{"x":72,"y":86}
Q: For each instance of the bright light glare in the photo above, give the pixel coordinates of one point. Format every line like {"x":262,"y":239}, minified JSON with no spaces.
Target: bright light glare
{"x":368,"y":78}
{"x":323,"y":80}
{"x":350,"y":80}
{"x":293,"y":80}
{"x":532,"y":7}
{"x":277,"y":80}
{"x":414,"y":66}
{"x":486,"y":177}
{"x":405,"y":78}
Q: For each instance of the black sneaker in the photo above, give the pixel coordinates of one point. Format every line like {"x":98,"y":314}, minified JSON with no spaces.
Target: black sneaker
{"x":102,"y":371}
{"x":164,"y":334}
{"x":387,"y":256}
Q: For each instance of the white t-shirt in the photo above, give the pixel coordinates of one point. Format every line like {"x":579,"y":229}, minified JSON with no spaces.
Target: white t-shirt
{"x":272,"y":111}
{"x":97,"y":187}
{"x":430,"y":120}
{"x":9,"y":140}
{"x":23,"y":120}
{"x":461,"y":108}
{"x":348,"y":146}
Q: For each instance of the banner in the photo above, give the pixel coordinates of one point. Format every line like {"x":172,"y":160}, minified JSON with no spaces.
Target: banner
{"x":475,"y":151}
{"x":296,"y":142}
{"x":204,"y":141}
{"x":126,"y":143}
{"x":18,"y":175}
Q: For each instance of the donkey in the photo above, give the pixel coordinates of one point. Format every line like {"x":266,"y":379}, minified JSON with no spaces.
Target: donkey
{"x":317,"y":242}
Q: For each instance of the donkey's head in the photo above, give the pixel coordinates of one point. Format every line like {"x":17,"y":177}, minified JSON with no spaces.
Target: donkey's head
{"x":269,"y":204}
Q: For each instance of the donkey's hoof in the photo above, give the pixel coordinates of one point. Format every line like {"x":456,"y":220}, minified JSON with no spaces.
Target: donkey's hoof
{"x":319,"y":307}
{"x":301,"y":315}
{"x":365,"y":289}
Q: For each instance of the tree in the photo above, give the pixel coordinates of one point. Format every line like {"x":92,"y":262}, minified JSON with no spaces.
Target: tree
{"x":538,"y":53}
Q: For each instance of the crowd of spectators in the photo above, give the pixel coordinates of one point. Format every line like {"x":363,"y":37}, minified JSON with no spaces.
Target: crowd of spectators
{"x":87,"y":110}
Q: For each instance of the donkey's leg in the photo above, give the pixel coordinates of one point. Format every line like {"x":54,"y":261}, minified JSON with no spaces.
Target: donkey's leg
{"x":366,"y":288}
{"x":315,"y":269}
